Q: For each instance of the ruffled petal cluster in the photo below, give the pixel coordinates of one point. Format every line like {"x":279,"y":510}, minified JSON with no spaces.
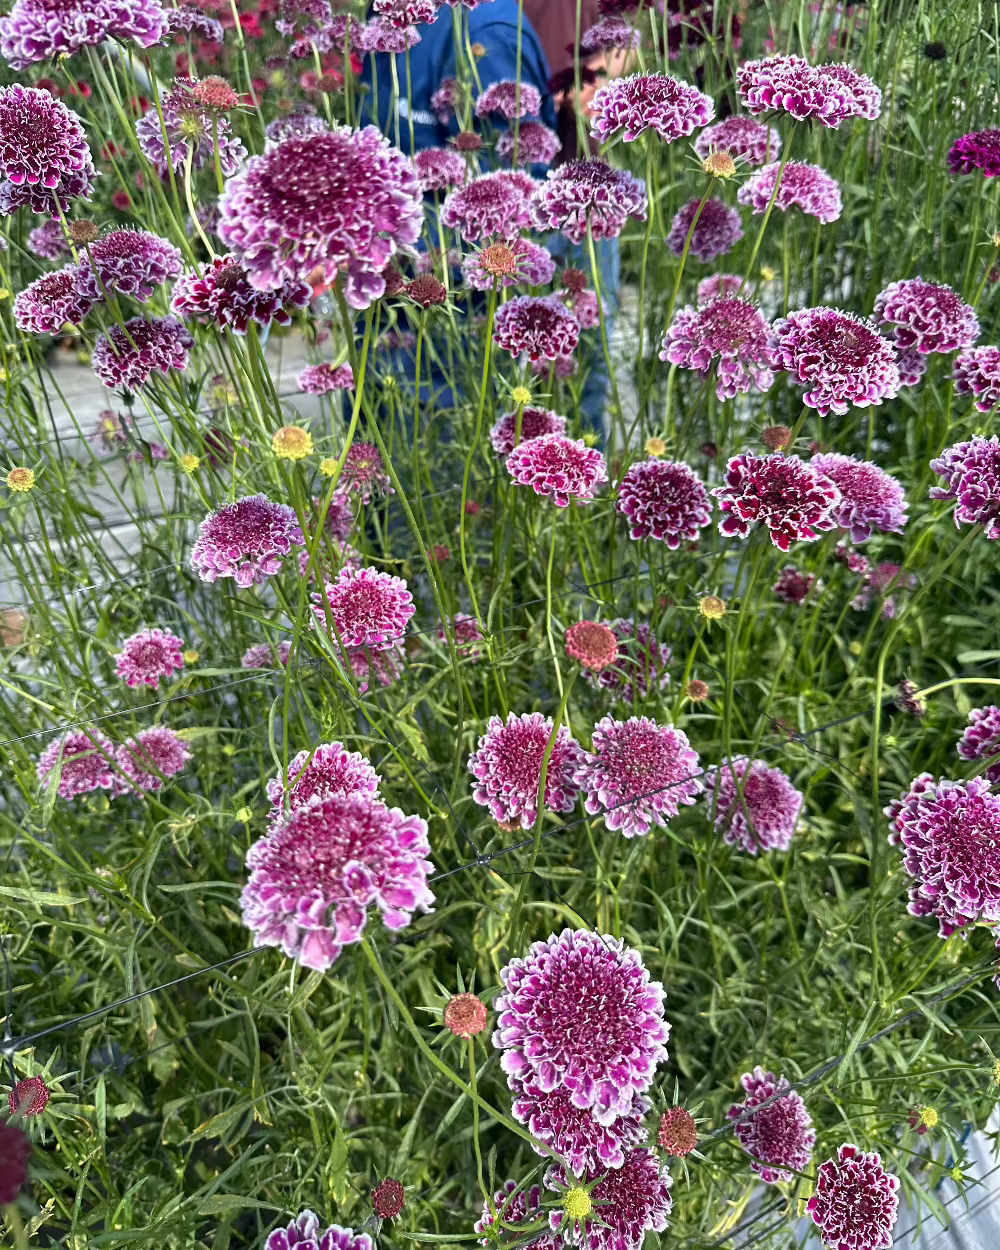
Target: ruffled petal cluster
{"x":977,"y":372}
{"x":50,"y":302}
{"x":127,"y":356}
{"x":793,"y":500}
{"x":84,"y":760}
{"x":779,"y":1136}
{"x":148,"y":656}
{"x":540,"y":325}
{"x":972,"y":478}
{"x":754,"y":807}
{"x":574,"y":1132}
{"x":629,"y":1202}
{"x":926,"y":316}
{"x":439,"y":169}
{"x":492,"y":205}
{"x":870,"y":498}
{"x":640,"y":102}
{"x":614,"y":31}
{"x":534,"y":423}
{"x":192,"y":132}
{"x":802,"y":186}
{"x":368,"y":608}
{"x":981,"y":739}
{"x":150,"y":756}
{"x":246,"y":540}
{"x":717,"y":230}
{"x":45,"y":160}
{"x":793,"y":585}
{"x":324,"y":379}
{"x":563,"y":469}
{"x":45,"y":30}
{"x":518,"y":262}
{"x":828,"y":93}
{"x":365,"y":472}
{"x":127,"y":262}
{"x":222,"y":295}
{"x":664,"y":500}
{"x":979,"y":150}
{"x":329,"y":768}
{"x":743,"y":138}
{"x":536,"y":144}
{"x":507,"y":767}
{"x":509,"y":99}
{"x":590,"y":192}
{"x":841,"y":359}
{"x":523,"y":1206}
{"x":731,"y":331}
{"x":855,"y":1201}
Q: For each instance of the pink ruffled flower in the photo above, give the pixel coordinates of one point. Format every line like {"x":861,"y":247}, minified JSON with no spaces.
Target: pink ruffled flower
{"x":981,"y":739}
{"x":384,"y":665}
{"x":306,"y":1233}
{"x":562,"y":468}
{"x":380,"y":35}
{"x":403,"y":13}
{"x":368,"y":608}
{"x":45,"y":30}
{"x":926,"y":316}
{"x":497,"y":204}
{"x":222,"y":296}
{"x":912,"y":366}
{"x":828,"y":93}
{"x":540,"y":325}
{"x":979,"y":150}
{"x":536,"y":144}
{"x":150,"y":655}
{"x":592,"y":644}
{"x":871,"y":499}
{"x":50,"y":302}
{"x":246,"y":540}
{"x":641,"y":665}
{"x":642,"y":102}
{"x":718,"y":286}
{"x":779,"y":1136}
{"x":444,"y":99}
{"x":534,"y":423}
{"x":49,"y":240}
{"x":717,"y":230}
{"x":802,"y":186}
{"x":795,"y":586}
{"x":467,"y":636}
{"x":521,"y":1207}
{"x":977,"y":372}
{"x":589,"y":191}
{"x":323,"y":379}
{"x":126,"y":356}
{"x":187,"y":19}
{"x":574,"y":1133}
{"x":665,"y":500}
{"x":855,"y":1201}
{"x":793,"y":500}
{"x":439,"y":169}
{"x":127,"y":262}
{"x":329,"y":769}
{"x":732,"y":331}
{"x":839,"y":357}
{"x":743,"y":138}
{"x":629,"y":1202}
{"x":83,"y":758}
{"x":44,"y":158}
{"x":611,"y":32}
{"x":149,"y":754}
{"x":972,"y":478}
{"x":522,"y":262}
{"x":509,"y":99}
{"x":365,"y":473}
{"x":263,"y":655}
{"x":507,"y":766}
{"x":754,"y":807}
{"x":192,"y":131}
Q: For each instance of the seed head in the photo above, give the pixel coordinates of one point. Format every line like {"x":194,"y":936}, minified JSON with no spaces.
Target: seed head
{"x":678,"y":1133}
{"x":29,"y":1097}
{"x":21,"y":479}
{"x":521,"y":396}
{"x":466,"y":141}
{"x":574,"y":280}
{"x":577,"y":1204}
{"x":776,"y":437}
{"x":188,"y":462}
{"x":697,"y":691}
{"x":215,"y":93}
{"x":594,"y":645}
{"x":499,"y":260}
{"x":292,"y":442}
{"x":328,"y":466}
{"x":935,"y":51}
{"x":191,"y":656}
{"x":427,"y":291}
{"x":712,"y":607}
{"x":655,"y":446}
{"x":466,"y":1015}
{"x":83,"y":231}
{"x":922,"y":1119}
{"x":388,"y":1198}
{"x":719,"y":165}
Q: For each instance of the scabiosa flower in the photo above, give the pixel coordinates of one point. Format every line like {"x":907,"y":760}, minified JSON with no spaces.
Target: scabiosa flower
{"x":84,"y":760}
{"x":150,"y":655}
{"x":730,"y":330}
{"x":42,"y":30}
{"x":492,"y":204}
{"x":793,"y":585}
{"x":639,"y":774}
{"x":507,"y":766}
{"x":573,"y":1132}
{"x":403,"y":13}
{"x":323,"y":378}
{"x":677,"y":1133}
{"x":641,"y":102}
{"x":330,"y":769}
{"x":523,"y":1207}
{"x":829,"y":93}
{"x":49,"y":240}
{"x":977,"y":372}
{"x":855,"y":1200}
{"x":802,"y":186}
{"x":871,"y":499}
{"x":29,"y":1096}
{"x":48,"y":303}
{"x":427,"y":291}
{"x":665,"y":500}
{"x":223,"y":296}
{"x":191,"y":130}
{"x":369,"y":608}
{"x":44,"y":157}
{"x":743,"y":138}
{"x":754,"y":807}
{"x":339,"y":199}
{"x":579,"y":1012}
{"x":978,"y":150}
{"x":591,"y":191}
{"x":388,"y":1198}
{"x":981,"y":738}
{"x":127,"y":356}
{"x":127,"y":262}
{"x":509,"y":99}
{"x":717,"y":230}
{"x":793,"y":500}
{"x":439,"y":169}
{"x":841,"y":358}
{"x":520,"y":261}
{"x":365,"y":473}
{"x":718,"y":286}
{"x":564,"y":469}
{"x":972,"y":474}
{"x":926,"y":316}
{"x":534,"y":423}
{"x":592,"y":644}
{"x":537,"y":144}
{"x":540,"y":325}
{"x":313,"y":878}
{"x":15,"y":1149}
{"x":629,"y":1201}
{"x":912,"y":366}
{"x":877,"y":581}
{"x":263,"y":655}
{"x":611,"y":32}
{"x":641,"y":665}
{"x":304,"y":1233}
{"x":465,"y":1015}
{"x":780,"y":1135}
{"x":443,"y":101}
{"x":380,"y":35}
{"x":186,"y":18}
{"x":151,"y":752}
{"x":245,"y":540}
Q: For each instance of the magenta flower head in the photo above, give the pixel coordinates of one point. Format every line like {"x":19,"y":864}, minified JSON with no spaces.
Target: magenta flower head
{"x":329,"y":769}
{"x":29,"y":1096}
{"x":534,"y":423}
{"x":780,"y":1135}
{"x":15,"y":1150}
{"x":795,"y":586}
{"x":743,"y":138}
{"x":127,"y":262}
{"x":977,"y":372}
{"x":127,"y":356}
{"x":312,"y":880}
{"x":49,"y":240}
{"x":579,"y":1012}
{"x":855,"y":1201}
{"x":151,"y":755}
{"x":926,"y":316}
{"x":83,"y":759}
{"x":222,"y":296}
{"x":642,"y":102}
{"x":564,"y":469}
{"x":517,"y":262}
{"x":591,"y":191}
{"x":509,"y":99}
{"x":404,"y":13}
{"x":912,"y":366}
{"x":514,"y":1208}
{"x":493,"y":205}
{"x":192,"y":131}
{"x":439,"y":169}
{"x":614,"y":31}
{"x":718,"y":286}
{"x":368,"y":608}
{"x":343,"y":199}
{"x":717,"y":230}
{"x":44,"y":30}
{"x":323,"y":379}
{"x":641,"y":664}
{"x":305,"y":1233}
{"x":540,"y":325}
{"x":245,"y":540}
{"x":380,"y":35}
{"x":789,"y":84}
{"x":507,"y":767}
{"x":365,"y":473}
{"x":51,"y":301}
{"x":877,"y":581}
{"x":629,"y":1202}
{"x":754,"y":807}
{"x":840,"y":358}
{"x":150,"y":655}
{"x":870,"y":498}
{"x":979,"y":150}
{"x":793,"y":500}
{"x":972,"y":478}
{"x":802,"y":186}
{"x":573,"y":1132}
{"x":44,"y":158}
{"x":981,"y":739}
{"x":732,"y":331}
{"x":665,"y":500}
{"x":639,"y":774}
{"x":263,"y":655}
{"x":185,"y":18}
{"x":536,"y":144}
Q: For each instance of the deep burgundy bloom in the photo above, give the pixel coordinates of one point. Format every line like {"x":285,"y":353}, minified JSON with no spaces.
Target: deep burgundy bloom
{"x":49,"y":240}
{"x":629,"y":1202}
{"x":517,"y":262}
{"x":44,"y":156}
{"x":509,"y":99}
{"x":641,"y":102}
{"x":978,"y":150}
{"x":855,"y":1201}
{"x":573,"y":1132}
{"x":537,"y":144}
{"x":981,"y":739}
{"x":369,"y":608}
{"x":29,"y":1096}
{"x":828,"y":93}
{"x":507,"y":766}
{"x":127,"y":262}
{"x":15,"y":1149}
{"x":151,"y":752}
{"x":779,"y":1136}
{"x":48,"y":303}
{"x":540,"y":325}
{"x":589,"y":191}
{"x":677,"y":1133}
{"x":795,"y":586}
{"x":972,"y":478}
{"x":718,"y":229}
{"x":579,"y":1012}
{"x":639,"y":774}
{"x":534,"y":423}
{"x":44,"y":30}
{"x":223,"y":296}
{"x":493,"y":204}
{"x":912,"y":366}
{"x":926,"y":316}
{"x":592,"y":645}
{"x":794,"y":500}
{"x":191,"y":130}
{"x":305,"y":1233}
{"x":388,"y":1198}
{"x":871,"y":499}
{"x":439,"y":169}
{"x":126,"y":357}
{"x":365,"y":473}
{"x":322,"y":379}
{"x":150,"y":655}
{"x":245,"y":540}
{"x":977,"y":372}
{"x":341,"y":199}
{"x":841,"y":358}
{"x":524,"y":1207}
{"x":562,"y":468}
{"x":641,"y":665}
{"x":404,"y":13}
{"x":84,"y":759}
{"x":802,"y":186}
{"x":743,"y":138}
{"x":611,"y":32}
{"x":330,"y":769}
{"x":312,"y":880}
{"x":718,"y":286}
{"x":754,"y":807}
{"x":665,"y":500}
{"x":263,"y":655}
{"x":732,"y":331}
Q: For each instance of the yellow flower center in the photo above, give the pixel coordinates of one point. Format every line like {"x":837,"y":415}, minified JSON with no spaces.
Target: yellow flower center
{"x":719,"y":165}
{"x":712,"y":607}
{"x":292,"y":442}
{"x":521,"y":396}
{"x":21,"y":479}
{"x":328,"y":467}
{"x":191,"y":656}
{"x":655,"y":446}
{"x":578,"y":1204}
{"x":929,"y":1117}
{"x":189,"y":463}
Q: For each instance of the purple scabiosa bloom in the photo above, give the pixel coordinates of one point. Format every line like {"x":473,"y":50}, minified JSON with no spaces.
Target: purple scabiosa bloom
{"x":855,"y":1201}
{"x":323,"y":378}
{"x":754,"y":807}
{"x":15,"y":1149}
{"x":718,"y":286}
{"x":665,"y":500}
{"x":369,"y":608}
{"x":439,"y":169}
{"x":222,"y":296}
{"x":305,"y":1233}
{"x":981,"y":739}
{"x":385,"y":664}
{"x":642,"y":102}
{"x":48,"y":303}
{"x":465,"y":629}
{"x":522,"y":1207}
{"x":795,"y":586}
{"x":191,"y":131}
{"x":534,"y":423}
{"x":404,"y":13}
{"x":185,"y":18}
{"x":628,"y":1201}
{"x":793,"y":500}
{"x":443,"y":100}
{"x":246,"y":540}
{"x":589,"y":191}
{"x":802,"y":186}
{"x":565,"y":469}
{"x":83,"y":758}
{"x":871,"y":499}
{"x":289,"y":12}
{"x":972,"y":474}
{"x":732,"y":331}
{"x":639,"y":774}
{"x":877,"y":581}
{"x":509,"y":99}
{"x":507,"y":766}
{"x":778,"y":1137}
{"x":148,"y":656}
{"x":380,"y":35}
{"x":302,"y":122}
{"x":977,"y":372}
{"x":329,"y":769}
{"x":717,"y":230}
{"x":263,"y":655}
{"x":493,"y":204}
{"x":127,"y":262}
{"x":641,"y":665}
{"x":364,"y":473}
{"x":743,"y":138}
{"x":518,"y":262}
{"x":49,"y":240}
{"x":537,"y":144}
{"x":43,"y":30}
{"x":152,"y":752}
{"x":926,"y":316}
{"x":540,"y":325}
{"x":126,"y":356}
{"x":44,"y":158}
{"x":573,"y":1132}
{"x":579,"y":1012}
{"x":313,"y":878}
{"x":912,"y":366}
{"x":611,"y":32}
{"x":828,"y":93}
{"x":841,"y":358}
{"x":978,"y":150}
{"x":339,"y":199}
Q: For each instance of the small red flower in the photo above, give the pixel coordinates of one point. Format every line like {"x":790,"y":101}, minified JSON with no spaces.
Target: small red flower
{"x":466,"y":1015}
{"x":388,"y":1198}
{"x":29,"y":1097}
{"x":677,"y":1134}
